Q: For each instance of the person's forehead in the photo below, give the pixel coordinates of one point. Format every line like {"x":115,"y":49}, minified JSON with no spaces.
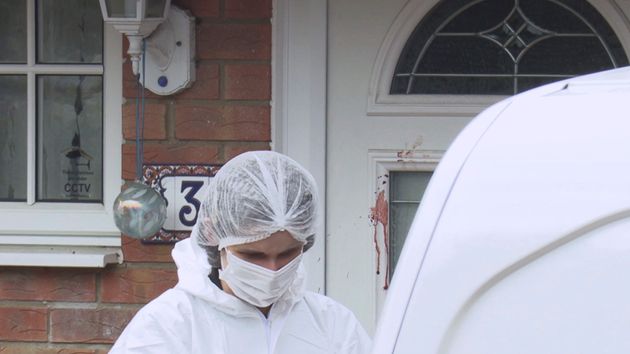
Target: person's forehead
{"x":277,"y":242}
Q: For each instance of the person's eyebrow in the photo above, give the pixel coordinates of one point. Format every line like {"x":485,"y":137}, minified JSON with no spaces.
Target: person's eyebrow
{"x":290,"y":250}
{"x":249,"y":252}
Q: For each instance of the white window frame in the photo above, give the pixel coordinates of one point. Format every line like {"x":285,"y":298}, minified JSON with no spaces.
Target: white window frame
{"x":381,"y":103}
{"x":67,"y":234}
{"x":380,"y":164}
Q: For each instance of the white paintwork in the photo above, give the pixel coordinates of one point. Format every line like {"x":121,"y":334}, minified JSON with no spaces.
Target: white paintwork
{"x":26,"y":225}
{"x":381,"y":163}
{"x":520,"y":243}
{"x":298,"y":107}
{"x":356,"y":31}
{"x":86,"y":257}
{"x":165,"y":58}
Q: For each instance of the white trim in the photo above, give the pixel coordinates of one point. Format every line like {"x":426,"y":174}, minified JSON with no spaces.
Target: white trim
{"x":381,"y":103}
{"x":380,"y":164}
{"x":67,"y":239}
{"x":44,"y":69}
{"x":298,"y":116}
{"x":31,"y":140}
{"x":84,"y":257}
{"x":68,"y":234}
{"x":613,"y":12}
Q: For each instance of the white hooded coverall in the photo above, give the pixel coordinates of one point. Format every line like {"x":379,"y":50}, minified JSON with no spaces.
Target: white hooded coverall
{"x":197,"y":317}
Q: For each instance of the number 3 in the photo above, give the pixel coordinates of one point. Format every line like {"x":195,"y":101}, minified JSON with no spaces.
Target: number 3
{"x":194,"y":187}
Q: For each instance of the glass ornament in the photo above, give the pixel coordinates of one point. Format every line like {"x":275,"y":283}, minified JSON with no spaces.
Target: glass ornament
{"x":139,"y":210}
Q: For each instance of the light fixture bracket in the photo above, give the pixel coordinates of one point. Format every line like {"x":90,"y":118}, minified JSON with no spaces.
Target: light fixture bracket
{"x":170,"y":54}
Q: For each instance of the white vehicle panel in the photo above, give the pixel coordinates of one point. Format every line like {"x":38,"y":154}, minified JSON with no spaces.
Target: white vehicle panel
{"x":521,"y":233}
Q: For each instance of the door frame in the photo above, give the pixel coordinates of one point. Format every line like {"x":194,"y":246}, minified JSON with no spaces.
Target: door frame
{"x":298,"y":104}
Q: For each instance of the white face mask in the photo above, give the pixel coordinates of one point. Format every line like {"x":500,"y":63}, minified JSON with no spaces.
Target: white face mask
{"x":258,"y":285}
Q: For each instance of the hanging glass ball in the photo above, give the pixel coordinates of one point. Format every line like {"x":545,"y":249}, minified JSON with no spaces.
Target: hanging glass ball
{"x":139,"y":210}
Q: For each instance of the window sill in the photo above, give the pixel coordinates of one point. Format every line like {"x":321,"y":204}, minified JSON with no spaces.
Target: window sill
{"x":74,"y":257}
{"x":86,"y":251}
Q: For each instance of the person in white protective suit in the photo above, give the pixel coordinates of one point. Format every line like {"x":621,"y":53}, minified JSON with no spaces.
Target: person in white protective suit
{"x":241,"y":282}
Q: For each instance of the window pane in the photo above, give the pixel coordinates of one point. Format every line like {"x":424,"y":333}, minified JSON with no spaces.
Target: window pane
{"x":13,"y":138}
{"x":13,"y":31}
{"x":465,"y":55}
{"x":121,"y":8}
{"x":487,"y":46}
{"x":479,"y":17}
{"x":405,"y":190}
{"x":155,"y":8}
{"x":70,"y":138}
{"x":463,"y":85}
{"x":69,"y":31}
{"x":408,"y":186}
{"x":550,"y":57}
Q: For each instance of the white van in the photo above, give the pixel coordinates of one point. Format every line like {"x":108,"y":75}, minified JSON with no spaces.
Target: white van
{"x":521,"y":243}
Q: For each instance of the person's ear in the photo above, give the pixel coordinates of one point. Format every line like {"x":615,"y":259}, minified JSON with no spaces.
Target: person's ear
{"x":223,"y":258}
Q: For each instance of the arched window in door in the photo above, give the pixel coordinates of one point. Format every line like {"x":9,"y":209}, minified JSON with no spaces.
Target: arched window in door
{"x":500,"y":47}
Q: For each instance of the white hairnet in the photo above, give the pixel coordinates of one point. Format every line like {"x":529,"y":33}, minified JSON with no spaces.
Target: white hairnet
{"x":255,"y":195}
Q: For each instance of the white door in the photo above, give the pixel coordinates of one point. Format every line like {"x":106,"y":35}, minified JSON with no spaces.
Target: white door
{"x":363,"y":149}
{"x":372,"y":136}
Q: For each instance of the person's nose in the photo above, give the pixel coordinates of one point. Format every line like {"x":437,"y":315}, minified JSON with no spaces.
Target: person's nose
{"x":273,"y":264}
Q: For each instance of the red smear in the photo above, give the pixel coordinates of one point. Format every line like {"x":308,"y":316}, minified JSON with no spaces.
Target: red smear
{"x":380,"y":214}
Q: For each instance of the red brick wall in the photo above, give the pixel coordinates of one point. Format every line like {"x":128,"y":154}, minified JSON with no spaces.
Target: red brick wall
{"x":225,"y":112}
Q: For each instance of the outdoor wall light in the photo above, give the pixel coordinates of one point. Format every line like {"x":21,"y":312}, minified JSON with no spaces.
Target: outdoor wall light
{"x":162,"y":50}
{"x":169,"y":41}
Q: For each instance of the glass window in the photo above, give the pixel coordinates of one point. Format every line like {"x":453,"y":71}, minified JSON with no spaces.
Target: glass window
{"x":121,"y":8}
{"x":69,"y":31}
{"x":12,"y":31}
{"x":56,"y":108}
{"x":69,"y":128}
{"x":155,"y":8}
{"x":405,"y":191}
{"x":499,"y":47}
{"x":13,"y":140}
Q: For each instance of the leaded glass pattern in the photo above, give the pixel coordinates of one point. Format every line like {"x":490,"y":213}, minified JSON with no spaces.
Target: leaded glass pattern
{"x":501,"y":47}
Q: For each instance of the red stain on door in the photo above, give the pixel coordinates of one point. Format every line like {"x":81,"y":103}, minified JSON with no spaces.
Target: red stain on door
{"x":379,"y":214}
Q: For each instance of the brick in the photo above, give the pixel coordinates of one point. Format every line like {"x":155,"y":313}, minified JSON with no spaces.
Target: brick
{"x":179,"y":153}
{"x":200,"y":8}
{"x":136,"y":251}
{"x":247,"y":82}
{"x":39,"y":284}
{"x":154,"y":121}
{"x":101,"y":325}
{"x":129,"y":83}
{"x":234,"y":41}
{"x":206,"y":85}
{"x":248,"y":123}
{"x":251,"y":9}
{"x":23,"y":324}
{"x":233,"y":150}
{"x":136,"y":285}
